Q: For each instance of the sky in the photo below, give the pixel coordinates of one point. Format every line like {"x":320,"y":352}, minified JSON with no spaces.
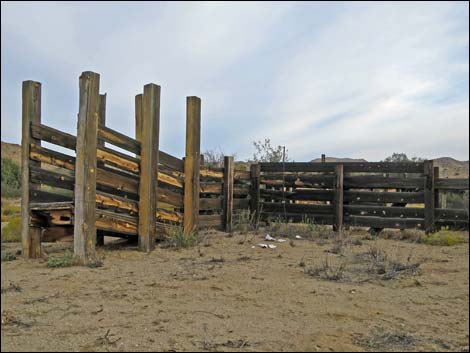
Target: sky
{"x":359,"y":80}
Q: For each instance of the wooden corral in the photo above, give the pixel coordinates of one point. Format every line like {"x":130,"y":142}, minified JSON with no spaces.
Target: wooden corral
{"x":95,"y":190}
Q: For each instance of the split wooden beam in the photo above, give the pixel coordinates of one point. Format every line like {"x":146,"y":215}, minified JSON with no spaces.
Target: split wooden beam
{"x":149,"y":140}
{"x":31,"y":112}
{"x":85,"y":168}
{"x":429,"y":197}
{"x":339,"y":198}
{"x":228,"y":193}
{"x":192,"y":165}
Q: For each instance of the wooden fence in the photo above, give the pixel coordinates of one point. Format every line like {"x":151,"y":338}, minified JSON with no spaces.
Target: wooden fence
{"x":95,"y":190}
{"x":377,"y":195}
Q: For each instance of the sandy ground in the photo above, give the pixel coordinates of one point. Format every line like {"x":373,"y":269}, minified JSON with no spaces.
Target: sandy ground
{"x":226,"y":296}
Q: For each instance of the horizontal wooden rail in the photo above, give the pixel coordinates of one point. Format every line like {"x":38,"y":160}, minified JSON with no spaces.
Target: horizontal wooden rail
{"x":377,"y":181}
{"x":451,"y":184}
{"x":298,"y":194}
{"x":381,"y":211}
{"x":451,"y":214}
{"x":349,"y":167}
{"x":301,"y":180}
{"x":118,"y":139}
{"x":296,"y":208}
{"x":383,"y":222}
{"x":383,"y":197}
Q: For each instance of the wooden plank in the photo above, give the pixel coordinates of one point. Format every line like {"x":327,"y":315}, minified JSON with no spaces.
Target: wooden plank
{"x":171,"y":162}
{"x":36,"y":195}
{"x":452,"y":184}
{"x":51,"y":206}
{"x":241,"y":204}
{"x":298,"y":194}
{"x":429,"y":199}
{"x":118,"y":139}
{"x":173,"y":198}
{"x":85,"y":168}
{"x":211,"y":174}
{"x":48,"y":134}
{"x":451,"y":214}
{"x":56,"y":159}
{"x":299,"y":180}
{"x":105,"y":200}
{"x":349,"y":167}
{"x":242,"y":175}
{"x":383,"y":197}
{"x":216,"y":203}
{"x":114,"y":222}
{"x":297,"y":208}
{"x":172,"y":180}
{"x":210,"y":221}
{"x":241,"y":190}
{"x":382,"y":222}
{"x":379,"y":181}
{"x":119,"y":182}
{"x":102,"y":118}
{"x":255,"y":171}
{"x":169,"y":216}
{"x":382,"y":211}
{"x":211,"y":188}
{"x":117,"y":159}
{"x":191,"y":164}
{"x":31,"y":113}
{"x":228,"y":193}
{"x":46,"y":177}
{"x":149,"y":167}
{"x":339,"y":198}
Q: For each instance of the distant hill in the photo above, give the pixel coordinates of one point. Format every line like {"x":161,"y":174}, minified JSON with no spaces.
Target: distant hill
{"x":11,"y":151}
{"x":337,"y":160}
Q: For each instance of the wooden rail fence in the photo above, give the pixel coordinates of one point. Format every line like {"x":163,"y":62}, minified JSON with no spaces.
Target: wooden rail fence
{"x":94,"y":190}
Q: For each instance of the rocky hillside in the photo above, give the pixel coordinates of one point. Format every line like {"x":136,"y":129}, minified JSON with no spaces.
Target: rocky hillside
{"x":11,"y":151}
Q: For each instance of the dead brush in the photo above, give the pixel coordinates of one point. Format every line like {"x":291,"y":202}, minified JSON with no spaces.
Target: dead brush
{"x":327,"y":271}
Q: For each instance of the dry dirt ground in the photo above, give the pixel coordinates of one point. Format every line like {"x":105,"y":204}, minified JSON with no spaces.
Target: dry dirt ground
{"x":225,"y":295}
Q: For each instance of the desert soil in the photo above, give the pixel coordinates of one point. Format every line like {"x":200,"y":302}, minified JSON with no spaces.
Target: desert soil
{"x":226,"y":296}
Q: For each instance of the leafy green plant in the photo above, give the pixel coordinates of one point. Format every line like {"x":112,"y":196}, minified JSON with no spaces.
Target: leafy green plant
{"x":444,"y":238}
{"x":11,"y":233}
{"x":62,"y":261}
{"x":178,"y":240}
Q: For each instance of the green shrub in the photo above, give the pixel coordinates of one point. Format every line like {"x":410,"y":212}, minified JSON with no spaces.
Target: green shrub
{"x":444,"y":238}
{"x":178,"y":240}
{"x":63,"y":261}
{"x":10,"y":191}
{"x":8,"y":256}
{"x":9,"y":212}
{"x":11,"y":174}
{"x":12,"y":231}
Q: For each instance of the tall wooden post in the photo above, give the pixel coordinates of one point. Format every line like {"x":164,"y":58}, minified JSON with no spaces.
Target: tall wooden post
{"x":338,"y":223}
{"x":429,"y":198}
{"x":102,"y":122}
{"x":323,"y":158}
{"x":228,"y":193}
{"x":255,"y":171}
{"x":444,"y":193}
{"x":138,"y":117}
{"x":149,"y":167}
{"x":31,"y":112}
{"x":191,"y":164}
{"x":85,"y":168}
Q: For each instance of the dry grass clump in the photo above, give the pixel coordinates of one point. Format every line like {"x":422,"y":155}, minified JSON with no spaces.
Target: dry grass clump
{"x":11,"y":233}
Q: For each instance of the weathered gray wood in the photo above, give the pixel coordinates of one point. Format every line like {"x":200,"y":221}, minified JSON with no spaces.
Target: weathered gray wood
{"x":171,"y":161}
{"x":212,"y":221}
{"x":31,"y":113}
{"x":102,"y":117}
{"x":192,"y":164}
{"x":241,"y":204}
{"x":228,"y":193}
{"x":299,"y":194}
{"x":297,"y":208}
{"x":349,"y":167}
{"x":255,"y":171}
{"x":378,"y":181}
{"x":56,"y":159}
{"x":383,"y":197}
{"x":118,"y":139}
{"x":382,"y":211}
{"x":451,"y":214}
{"x":85,"y":168}
{"x":149,"y":167}
{"x":315,"y":218}
{"x":339,"y":198}
{"x":382,"y":222}
{"x":299,"y":180}
{"x":36,"y":195}
{"x":452,"y":184}
{"x":429,"y":199}
{"x":48,"y":134}
{"x":47,"y":177}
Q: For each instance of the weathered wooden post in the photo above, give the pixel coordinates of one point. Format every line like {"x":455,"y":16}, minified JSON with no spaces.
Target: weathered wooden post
{"x":338,"y":221}
{"x":138,"y":117}
{"x":85,"y":168}
{"x":191,"y":164}
{"x":149,"y":166}
{"x":444,"y":193}
{"x":323,"y":158}
{"x":255,"y":171}
{"x":102,"y":122}
{"x":429,"y":198}
{"x":228,"y":193}
{"x":31,"y":112}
